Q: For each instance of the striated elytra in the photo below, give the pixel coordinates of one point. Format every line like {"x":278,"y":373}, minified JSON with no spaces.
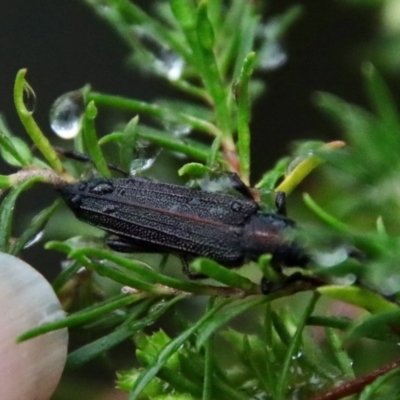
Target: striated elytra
{"x":150,"y":216}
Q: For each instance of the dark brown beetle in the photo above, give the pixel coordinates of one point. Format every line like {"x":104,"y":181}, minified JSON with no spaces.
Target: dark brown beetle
{"x":149,"y":216}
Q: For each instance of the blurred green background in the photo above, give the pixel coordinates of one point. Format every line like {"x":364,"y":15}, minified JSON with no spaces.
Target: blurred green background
{"x":65,"y":46}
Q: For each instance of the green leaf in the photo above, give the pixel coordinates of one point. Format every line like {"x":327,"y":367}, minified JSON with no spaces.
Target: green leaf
{"x":370,"y":392}
{"x":85,"y":316}
{"x":184,"y":12}
{"x":147,"y":276}
{"x":375,"y":145}
{"x":341,"y":323}
{"x":34,"y":228}
{"x":231,"y":311}
{"x":15,"y":151}
{"x":271,"y":177}
{"x":355,"y":121}
{"x":208,"y":371}
{"x":171,"y":142}
{"x":358,"y":297}
{"x":7,"y":211}
{"x":148,"y":348}
{"x":125,"y":14}
{"x":243,"y":101}
{"x":194,"y":170}
{"x":293,"y":349}
{"x":65,"y":275}
{"x":324,"y":216}
{"x":163,"y":112}
{"x":125,"y":380}
{"x":269,"y":349}
{"x":223,"y":275}
{"x":254,"y":348}
{"x":126,"y":142}
{"x":215,"y":13}
{"x":33,"y":130}
{"x":169,"y":350}
{"x":5,"y":181}
{"x":114,"y":273}
{"x":245,"y":33}
{"x":122,"y":103}
{"x":381,"y":98}
{"x":90,"y":139}
{"x":376,"y":326}
{"x":205,"y":32}
{"x":341,"y":357}
{"x":308,"y":163}
{"x":131,"y":326}
{"x":209,"y":70}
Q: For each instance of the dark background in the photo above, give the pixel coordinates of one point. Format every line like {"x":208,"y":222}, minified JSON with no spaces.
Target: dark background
{"x":64,"y":46}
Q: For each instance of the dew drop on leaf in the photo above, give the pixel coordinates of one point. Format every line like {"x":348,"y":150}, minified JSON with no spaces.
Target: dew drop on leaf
{"x":145,"y":153}
{"x":166,"y":61}
{"x":66,"y":115}
{"x":177,"y":129}
{"x":169,"y":64}
{"x":156,"y":307}
{"x":34,"y":239}
{"x":273,"y":57}
{"x":271,"y":54}
{"x":29,"y":97}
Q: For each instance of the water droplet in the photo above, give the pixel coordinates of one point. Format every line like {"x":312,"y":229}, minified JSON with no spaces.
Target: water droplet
{"x":170,"y":64}
{"x":271,"y":54}
{"x":166,"y":62}
{"x":330,"y":258}
{"x":181,"y":130}
{"x":156,"y":307}
{"x":390,"y":285}
{"x":34,"y":240}
{"x":102,"y":188}
{"x":216,"y":183}
{"x":272,"y":57}
{"x":66,"y":114}
{"x":297,"y":356}
{"x":120,"y":313}
{"x":346,"y":280}
{"x":145,"y":153}
{"x":29,"y":97}
{"x":178,"y":129}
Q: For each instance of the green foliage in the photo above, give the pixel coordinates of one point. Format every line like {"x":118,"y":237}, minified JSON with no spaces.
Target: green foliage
{"x":209,"y":51}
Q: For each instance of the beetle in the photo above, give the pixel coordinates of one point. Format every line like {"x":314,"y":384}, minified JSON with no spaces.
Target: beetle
{"x":149,"y":216}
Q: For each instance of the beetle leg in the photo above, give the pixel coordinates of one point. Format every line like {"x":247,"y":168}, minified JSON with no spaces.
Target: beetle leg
{"x":280,"y":203}
{"x":187,"y":271}
{"x":75,"y":155}
{"x":310,"y":282}
{"x":123,"y":245}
